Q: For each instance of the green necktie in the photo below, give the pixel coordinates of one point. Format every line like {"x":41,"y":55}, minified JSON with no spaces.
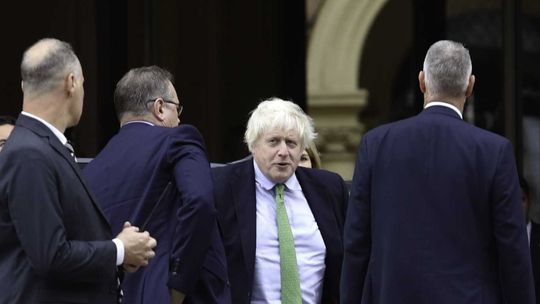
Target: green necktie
{"x":290,"y":281}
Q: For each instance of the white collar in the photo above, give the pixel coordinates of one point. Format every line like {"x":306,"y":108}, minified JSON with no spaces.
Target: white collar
{"x":139,"y":121}
{"x":55,"y":131}
{"x":444,"y":104}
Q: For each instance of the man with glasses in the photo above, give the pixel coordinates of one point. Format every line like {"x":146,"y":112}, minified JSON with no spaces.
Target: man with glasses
{"x":155,"y":174}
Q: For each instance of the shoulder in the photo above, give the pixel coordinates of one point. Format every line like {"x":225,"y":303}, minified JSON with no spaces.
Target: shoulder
{"x":227,"y":170}
{"x":320,"y":176}
{"x":184,"y":135}
{"x":185,"y":131}
{"x":25,"y":144}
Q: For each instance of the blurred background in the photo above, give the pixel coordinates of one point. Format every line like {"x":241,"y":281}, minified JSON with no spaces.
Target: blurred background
{"x":351,"y":64}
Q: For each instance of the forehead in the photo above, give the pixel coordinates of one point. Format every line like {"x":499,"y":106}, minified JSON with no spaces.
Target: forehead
{"x":280,"y":133}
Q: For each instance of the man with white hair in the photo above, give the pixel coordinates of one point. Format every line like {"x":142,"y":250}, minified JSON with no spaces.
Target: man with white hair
{"x":435,"y":211}
{"x":281,"y":223}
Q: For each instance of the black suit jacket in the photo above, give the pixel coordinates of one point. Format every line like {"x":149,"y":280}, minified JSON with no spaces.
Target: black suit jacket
{"x":55,"y":242}
{"x":234,"y":192}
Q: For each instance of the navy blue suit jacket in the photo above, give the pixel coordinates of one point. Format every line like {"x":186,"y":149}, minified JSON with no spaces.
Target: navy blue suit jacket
{"x":435,"y":216}
{"x":55,"y":243}
{"x":128,"y":177}
{"x":234,"y":188}
{"x":535,"y":257}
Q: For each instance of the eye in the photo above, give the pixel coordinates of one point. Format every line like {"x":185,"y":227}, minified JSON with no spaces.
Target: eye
{"x":272,"y":141}
{"x":291,"y":143}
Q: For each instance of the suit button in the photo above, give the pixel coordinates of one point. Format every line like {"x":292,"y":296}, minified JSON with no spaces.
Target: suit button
{"x":228,"y":283}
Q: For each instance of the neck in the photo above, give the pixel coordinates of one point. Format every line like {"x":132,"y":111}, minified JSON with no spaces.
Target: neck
{"x":128,"y":117}
{"x":50,"y":110}
{"x":458,"y":102}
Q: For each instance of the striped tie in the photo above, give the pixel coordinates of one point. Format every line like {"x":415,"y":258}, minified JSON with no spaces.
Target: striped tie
{"x":69,"y":146}
{"x":290,"y":281}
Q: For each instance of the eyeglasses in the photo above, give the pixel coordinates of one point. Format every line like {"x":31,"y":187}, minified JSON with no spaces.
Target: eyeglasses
{"x":179,"y":107}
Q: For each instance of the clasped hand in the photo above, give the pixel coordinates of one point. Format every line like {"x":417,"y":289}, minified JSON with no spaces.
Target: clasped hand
{"x":138,"y":247}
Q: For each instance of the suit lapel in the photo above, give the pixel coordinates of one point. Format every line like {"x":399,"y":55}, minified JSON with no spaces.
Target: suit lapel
{"x":320,"y":204}
{"x":42,"y":131}
{"x":245,"y":209}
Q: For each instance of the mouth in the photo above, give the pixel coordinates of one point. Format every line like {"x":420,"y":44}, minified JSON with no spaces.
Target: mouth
{"x":282,"y":164}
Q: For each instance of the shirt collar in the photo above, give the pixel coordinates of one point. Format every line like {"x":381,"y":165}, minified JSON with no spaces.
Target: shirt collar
{"x":292,"y":183}
{"x":444,"y":104}
{"x":53,"y":129}
{"x":139,"y":121}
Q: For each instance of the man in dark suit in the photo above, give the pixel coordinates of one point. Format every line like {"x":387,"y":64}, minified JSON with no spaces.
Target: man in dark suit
{"x":435,"y":214}
{"x":535,"y":255}
{"x":156,"y":172}
{"x":56,"y":244}
{"x":533,"y":230}
{"x":289,"y":250}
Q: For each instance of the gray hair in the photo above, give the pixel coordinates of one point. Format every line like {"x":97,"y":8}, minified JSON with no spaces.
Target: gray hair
{"x":45,"y":63}
{"x":279,"y":114}
{"x":140,"y":85}
{"x":447,"y":68}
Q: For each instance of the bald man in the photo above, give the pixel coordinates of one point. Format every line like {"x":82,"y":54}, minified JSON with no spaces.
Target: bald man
{"x":57,"y":246}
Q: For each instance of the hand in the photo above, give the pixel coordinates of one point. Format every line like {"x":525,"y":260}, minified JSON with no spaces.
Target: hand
{"x":138,"y":247}
{"x":177,"y":297}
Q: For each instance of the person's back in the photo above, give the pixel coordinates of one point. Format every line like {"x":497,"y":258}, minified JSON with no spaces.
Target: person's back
{"x":435,"y":182}
{"x":147,"y":175}
{"x":156,"y":174}
{"x":434,"y":214}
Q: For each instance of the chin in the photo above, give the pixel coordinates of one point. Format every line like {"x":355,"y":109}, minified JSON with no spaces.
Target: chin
{"x":282,"y":177}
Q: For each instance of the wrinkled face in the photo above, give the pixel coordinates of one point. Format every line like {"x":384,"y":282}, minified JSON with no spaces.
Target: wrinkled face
{"x":5,"y":130}
{"x":277,"y":153}
{"x":305,"y":161}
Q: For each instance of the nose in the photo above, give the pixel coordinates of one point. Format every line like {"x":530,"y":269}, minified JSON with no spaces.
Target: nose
{"x":283,"y":150}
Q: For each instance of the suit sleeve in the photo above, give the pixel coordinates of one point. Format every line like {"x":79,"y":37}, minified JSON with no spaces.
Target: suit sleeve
{"x":37,"y":214}
{"x":510,"y":232}
{"x":357,"y":232}
{"x":196,"y":214}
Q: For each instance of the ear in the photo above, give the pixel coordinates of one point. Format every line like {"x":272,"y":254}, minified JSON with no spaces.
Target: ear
{"x":422,"y":82}
{"x":470,"y":86}
{"x":157,"y":109}
{"x":70,"y":84}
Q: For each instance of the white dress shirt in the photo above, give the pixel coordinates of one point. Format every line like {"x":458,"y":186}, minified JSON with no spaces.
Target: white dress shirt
{"x":62,"y":138}
{"x":309,"y":244}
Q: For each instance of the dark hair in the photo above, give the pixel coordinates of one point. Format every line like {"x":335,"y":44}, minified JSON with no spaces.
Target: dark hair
{"x":140,"y":85}
{"x":42,"y":74}
{"x":7,"y":120}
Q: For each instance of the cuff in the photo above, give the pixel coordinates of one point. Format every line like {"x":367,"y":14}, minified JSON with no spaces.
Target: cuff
{"x":119,"y":251}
